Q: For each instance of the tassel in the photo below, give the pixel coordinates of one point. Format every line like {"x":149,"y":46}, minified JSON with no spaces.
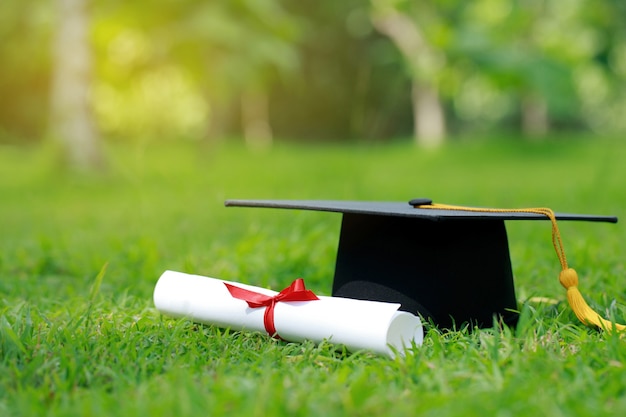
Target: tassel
{"x":569,"y":279}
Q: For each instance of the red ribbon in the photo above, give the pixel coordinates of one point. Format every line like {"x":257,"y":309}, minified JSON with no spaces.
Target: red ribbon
{"x":295,"y":292}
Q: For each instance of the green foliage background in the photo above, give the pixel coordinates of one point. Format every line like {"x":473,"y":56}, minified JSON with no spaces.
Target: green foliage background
{"x":79,"y":257}
{"x":179,"y":69}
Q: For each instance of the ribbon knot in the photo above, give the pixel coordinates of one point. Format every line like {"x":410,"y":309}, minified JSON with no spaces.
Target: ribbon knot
{"x":294,"y":292}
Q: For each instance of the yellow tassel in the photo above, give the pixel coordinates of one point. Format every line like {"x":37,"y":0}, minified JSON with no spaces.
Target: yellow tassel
{"x":569,"y":279}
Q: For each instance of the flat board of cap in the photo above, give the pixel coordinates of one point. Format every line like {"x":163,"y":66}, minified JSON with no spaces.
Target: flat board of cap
{"x":404,"y":209}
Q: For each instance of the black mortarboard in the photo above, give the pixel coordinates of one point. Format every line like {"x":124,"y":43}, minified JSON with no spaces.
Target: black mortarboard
{"x":450,"y":264}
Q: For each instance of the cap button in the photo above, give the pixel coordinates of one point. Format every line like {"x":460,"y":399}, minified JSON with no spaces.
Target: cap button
{"x":420,"y":202}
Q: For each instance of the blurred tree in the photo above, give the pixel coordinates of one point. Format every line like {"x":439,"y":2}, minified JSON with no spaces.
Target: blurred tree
{"x":600,"y":79}
{"x":25,"y":30}
{"x":144,"y":91}
{"x":405,"y":27}
{"x":226,"y":52}
{"x":71,"y":116}
{"x":533,"y":61}
{"x":350,"y":84}
{"x":250,"y":45}
{"x":507,"y":51}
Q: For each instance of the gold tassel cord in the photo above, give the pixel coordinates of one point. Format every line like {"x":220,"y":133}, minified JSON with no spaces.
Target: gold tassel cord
{"x":568,"y":276}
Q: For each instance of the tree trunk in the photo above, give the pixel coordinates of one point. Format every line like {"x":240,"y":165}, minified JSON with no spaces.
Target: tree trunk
{"x":255,"y":120}
{"x":535,"y":122}
{"x":428,"y":115}
{"x":71,"y":117}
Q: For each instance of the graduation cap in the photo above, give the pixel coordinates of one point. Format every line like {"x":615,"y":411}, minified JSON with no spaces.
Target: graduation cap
{"x":450,"y":264}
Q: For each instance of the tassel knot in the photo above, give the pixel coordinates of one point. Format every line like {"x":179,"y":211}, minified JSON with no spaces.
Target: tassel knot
{"x":568,"y":278}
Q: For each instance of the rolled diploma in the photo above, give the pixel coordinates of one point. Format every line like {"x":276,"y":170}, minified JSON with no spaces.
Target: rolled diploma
{"x":357,"y":324}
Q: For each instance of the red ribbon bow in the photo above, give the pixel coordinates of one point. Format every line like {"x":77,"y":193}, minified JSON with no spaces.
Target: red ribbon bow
{"x":295,"y":292}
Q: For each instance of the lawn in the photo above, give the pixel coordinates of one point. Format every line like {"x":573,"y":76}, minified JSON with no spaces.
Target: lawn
{"x":80,"y":255}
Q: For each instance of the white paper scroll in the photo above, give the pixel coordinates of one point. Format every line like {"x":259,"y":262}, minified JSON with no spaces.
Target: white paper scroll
{"x":356,"y":324}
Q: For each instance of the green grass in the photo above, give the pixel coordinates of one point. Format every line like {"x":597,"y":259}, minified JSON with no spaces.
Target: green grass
{"x":80,"y":254}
